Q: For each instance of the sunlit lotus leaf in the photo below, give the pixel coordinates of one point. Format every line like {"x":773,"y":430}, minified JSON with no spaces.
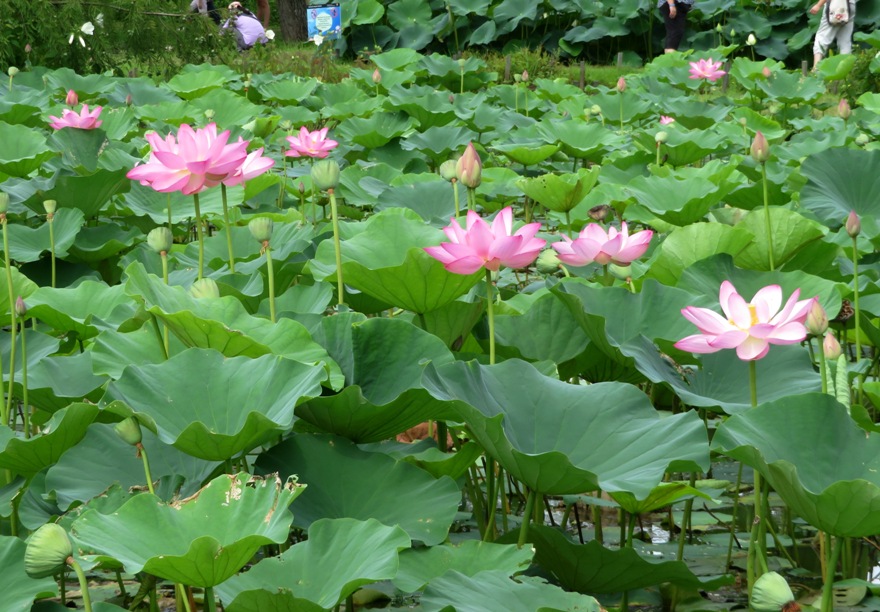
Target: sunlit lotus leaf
{"x":145,"y":201}
{"x":420,"y":566}
{"x":404,"y":12}
{"x":698,"y":115}
{"x":96,"y":244}
{"x":375,"y":131}
{"x":546,"y":330}
{"x":172,"y":113}
{"x":538,"y":428}
{"x":339,"y":557}
{"x":603,"y":26}
{"x":453,"y":322}
{"x":214,"y":407}
{"x":19,"y":589}
{"x":527,"y":152}
{"x":464,"y":8}
{"x":447,"y":72}
{"x":756,"y":122}
{"x":288,"y":91}
{"x":368,"y":11}
{"x":397,"y":271}
{"x":483,"y":34}
{"x":198,"y":81}
{"x":27,"y":456}
{"x":28,"y":244}
{"x":112,"y":351}
{"x":425,"y":455}
{"x":142,"y":90}
{"x":836,"y":68}
{"x":89,"y":85}
{"x":590,"y":568}
{"x":433,"y":201}
{"x":346,"y":482}
{"x":79,"y":148}
{"x":664,"y":494}
{"x":229,"y":108}
{"x":439,"y":143}
{"x":19,"y":113}
{"x":791,"y":88}
{"x":686,"y":245}
{"x":431,"y":110}
{"x":790,"y":232}
{"x":560,"y":192}
{"x":836,"y":492}
{"x":383,"y":395}
{"x":176,"y":543}
{"x":118,"y":123}
{"x":54,"y":381}
{"x":396,"y":59}
{"x":634,"y":106}
{"x":683,"y":147}
{"x":24,"y":150}
{"x":83,"y":309}
{"x":496,"y":590}
{"x":89,"y":194}
{"x":558,"y":90}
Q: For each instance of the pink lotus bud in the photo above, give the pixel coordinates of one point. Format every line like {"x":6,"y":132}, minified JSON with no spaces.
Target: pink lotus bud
{"x":20,"y":308}
{"x":621,"y":85}
{"x":27,"y":48}
{"x":525,"y":76}
{"x":831,"y":347}
{"x":72,"y":99}
{"x":301,"y":187}
{"x":451,"y":99}
{"x":843,"y":109}
{"x":853,"y":224}
{"x":128,"y":100}
{"x":760,"y":148}
{"x":817,"y":320}
{"x":377,"y":76}
{"x":469,"y":168}
{"x":766,"y":72}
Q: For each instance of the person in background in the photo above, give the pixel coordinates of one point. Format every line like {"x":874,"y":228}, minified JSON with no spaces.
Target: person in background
{"x":828,"y":33}
{"x":263,"y":12}
{"x":205,"y":7}
{"x":248,"y":29}
{"x":675,"y":19}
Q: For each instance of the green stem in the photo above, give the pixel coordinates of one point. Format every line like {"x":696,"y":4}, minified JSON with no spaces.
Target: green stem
{"x":527,"y":516}
{"x":658,"y":153}
{"x":26,"y":408}
{"x":823,"y":367}
{"x":568,"y":223}
{"x":270,"y":271}
{"x":455,"y":198}
{"x":442,"y":434}
{"x":199,"y":235}
{"x":767,"y":217}
{"x":142,"y":451}
{"x":228,"y":229}
{"x":210,"y":606}
{"x":491,"y":501}
{"x":686,"y":520}
{"x":620,"y":95}
{"x":753,"y":382}
{"x":739,"y":475}
{"x":832,"y":554}
{"x":83,"y":583}
{"x":168,"y":207}
{"x":50,"y":220}
{"x":471,"y":199}
{"x":4,"y":417}
{"x":166,"y":342}
{"x":340,"y":287}
{"x":856,"y":300}
{"x":302,"y":205}
{"x":490,"y":313}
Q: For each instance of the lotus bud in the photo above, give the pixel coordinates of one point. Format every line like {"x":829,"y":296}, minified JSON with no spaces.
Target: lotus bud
{"x":817,"y":320}
{"x":525,"y":76}
{"x":621,"y":85}
{"x":325,"y":174}
{"x":447,"y":170}
{"x":286,"y":125}
{"x":204,"y":288}
{"x":50,"y":206}
{"x":261,"y":229}
{"x":47,"y":552}
{"x":718,"y":28}
{"x":12,"y":71}
{"x":20,"y":308}
{"x":843,"y":109}
{"x":461,"y":63}
{"x":129,"y":430}
{"x":469,"y":168}
{"x":72,"y":99}
{"x":771,"y":593}
{"x":209,"y":114}
{"x":377,"y":76}
{"x":160,"y":239}
{"x":831,"y":347}
{"x":128,"y":100}
{"x":862,"y":139}
{"x":620,"y":272}
{"x":743,"y":121}
{"x":732,"y":32}
{"x":547,"y":262}
{"x":660,"y":137}
{"x":751,"y":40}
{"x":766,"y":72}
{"x":760,"y":148}
{"x":27,"y":48}
{"x":853,"y":224}
{"x":4,"y":202}
{"x":301,"y":187}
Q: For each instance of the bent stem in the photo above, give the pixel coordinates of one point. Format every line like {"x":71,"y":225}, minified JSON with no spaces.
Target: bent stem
{"x":832,"y":554}
{"x":334,"y":214}
{"x":490,"y":313}
{"x":83,"y":583}
{"x":767,"y":217}
{"x":199,"y":235}
{"x":142,"y":453}
{"x":228,"y":229}
{"x":270,"y":271}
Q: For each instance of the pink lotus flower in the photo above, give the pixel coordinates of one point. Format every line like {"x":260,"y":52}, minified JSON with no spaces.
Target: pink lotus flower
{"x":84,"y":120}
{"x":707,"y":69}
{"x":482,"y":246}
{"x":310,"y":144}
{"x":253,"y":165}
{"x":750,"y":327}
{"x":191,"y":162}
{"x":664,"y":120}
{"x":595,"y":245}
{"x":72,"y":99}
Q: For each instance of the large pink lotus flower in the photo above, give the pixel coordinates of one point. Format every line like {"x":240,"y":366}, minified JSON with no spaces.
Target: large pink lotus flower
{"x":482,"y":246}
{"x":310,"y":144}
{"x":84,"y":120}
{"x":191,"y":162}
{"x":707,"y":69}
{"x":750,"y":327}
{"x":253,"y":165}
{"x":595,"y":245}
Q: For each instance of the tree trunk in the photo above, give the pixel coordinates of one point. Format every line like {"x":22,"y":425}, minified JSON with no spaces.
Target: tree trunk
{"x":292,"y":18}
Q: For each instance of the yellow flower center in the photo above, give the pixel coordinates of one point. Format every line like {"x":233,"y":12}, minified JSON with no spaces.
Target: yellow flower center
{"x":754,"y":317}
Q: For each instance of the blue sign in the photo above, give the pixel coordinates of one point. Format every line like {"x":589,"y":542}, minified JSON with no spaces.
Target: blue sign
{"x":324,"y":20}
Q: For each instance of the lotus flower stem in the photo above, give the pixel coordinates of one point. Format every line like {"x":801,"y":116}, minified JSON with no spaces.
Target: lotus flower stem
{"x":302,"y":202}
{"x":739,"y":475}
{"x":596,"y":513}
{"x":168,"y":206}
{"x":491,"y":500}
{"x":505,"y":505}
{"x":441,"y":436}
{"x":755,"y":553}
{"x":856,"y":299}
{"x":50,"y":219}
{"x":142,"y":453}
{"x":83,"y":583}
{"x":121,"y":583}
{"x":527,"y":516}
{"x":26,"y":407}
{"x":199,"y":235}
{"x":476,"y":497}
{"x":490,"y":314}
{"x":228,"y":229}
{"x":337,"y":247}
{"x":832,"y":554}
{"x":823,"y":367}
{"x":8,"y":405}
{"x":209,"y":605}
{"x":767,"y":217}
{"x":270,"y":273}
{"x":686,"y":521}
{"x":455,"y":197}
{"x":620,"y":97}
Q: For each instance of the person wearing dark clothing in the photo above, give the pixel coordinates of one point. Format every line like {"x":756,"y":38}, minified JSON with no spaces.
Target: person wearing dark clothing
{"x":675,"y":19}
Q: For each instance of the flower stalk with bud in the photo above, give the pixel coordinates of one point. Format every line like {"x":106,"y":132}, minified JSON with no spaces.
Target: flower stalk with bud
{"x":325,"y":177}
{"x":4,"y":205}
{"x":760,"y":151}
{"x":129,"y":430}
{"x":50,"y":206}
{"x":160,"y":240}
{"x":853,"y":227}
{"x":261,"y":230}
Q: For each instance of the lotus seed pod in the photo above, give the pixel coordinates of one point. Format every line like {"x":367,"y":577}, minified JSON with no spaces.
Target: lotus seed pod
{"x":817,"y":320}
{"x":47,"y":551}
{"x":50,"y":206}
{"x":843,"y":109}
{"x":596,"y":109}
{"x":204,"y":288}
{"x":261,"y":229}
{"x":743,"y":121}
{"x":862,"y":139}
{"x":620,"y":272}
{"x":661,"y":137}
{"x":760,"y":148}
{"x":832,"y":347}
{"x":72,"y":99}
{"x":325,"y":174}
{"x":4,"y":202}
{"x":209,"y":114}
{"x":771,"y":593}
{"x":160,"y":239}
{"x":447,"y":170}
{"x":853,"y":224}
{"x":12,"y":71}
{"x":547,"y":262}
{"x":20,"y":308}
{"x":129,"y":430}
{"x":469,"y":168}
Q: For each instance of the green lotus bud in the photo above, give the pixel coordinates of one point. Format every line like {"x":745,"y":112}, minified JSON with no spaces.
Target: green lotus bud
{"x":286,"y":125}
{"x":469,"y":168}
{"x":12,"y":71}
{"x":547,"y":262}
{"x":447,"y":170}
{"x":20,"y":308}
{"x":817,"y":319}
{"x":50,"y":206}
{"x":718,"y":28}
{"x":4,"y":202}
{"x":204,"y":288}
{"x":843,"y":109}
{"x":862,"y":139}
{"x":660,"y":137}
{"x":620,"y":272}
{"x":261,"y":229}
{"x":751,"y":40}
{"x":47,"y":552}
{"x":771,"y":593}
{"x":831,"y":347}
{"x":853,"y":224}
{"x":325,"y":174}
{"x":129,"y":430}
{"x":732,"y":32}
{"x":209,"y":114}
{"x":596,"y":109}
{"x":160,"y":239}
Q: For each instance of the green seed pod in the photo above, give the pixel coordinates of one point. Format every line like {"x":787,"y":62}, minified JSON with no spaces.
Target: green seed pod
{"x":47,"y":551}
{"x":862,"y":139}
{"x":129,"y":430}
{"x":50,"y":206}
{"x":205,"y":288}
{"x":771,"y":593}
{"x":160,"y":239}
{"x":261,"y":229}
{"x":547,"y":262}
{"x":447,"y":170}
{"x":620,"y":272}
{"x":325,"y":174}
{"x":12,"y":71}
{"x":660,"y":137}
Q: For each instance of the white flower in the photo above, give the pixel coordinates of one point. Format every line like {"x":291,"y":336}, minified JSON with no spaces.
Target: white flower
{"x":751,"y":40}
{"x":270,"y":34}
{"x":99,"y":19}
{"x":318,"y":39}
{"x":88,"y":28}
{"x":70,"y":40}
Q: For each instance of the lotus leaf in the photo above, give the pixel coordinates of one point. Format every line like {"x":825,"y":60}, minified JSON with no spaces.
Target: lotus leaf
{"x":19,"y":589}
{"x":560,"y":192}
{"x":24,"y":150}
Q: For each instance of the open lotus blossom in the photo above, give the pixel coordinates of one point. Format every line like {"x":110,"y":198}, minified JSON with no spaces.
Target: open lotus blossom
{"x":83,"y":120}
{"x":594,"y":244}
{"x":483,"y":246}
{"x":749,"y":327}
{"x":310,"y":144}
{"x":253,"y":165}
{"x":707,"y":69}
{"x":190,"y":162}
{"x":664,"y":120}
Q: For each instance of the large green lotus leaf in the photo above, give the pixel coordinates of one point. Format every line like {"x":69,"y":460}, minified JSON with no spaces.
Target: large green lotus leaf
{"x":83,"y":309}
{"x":427,"y":456}
{"x":578,"y":138}
{"x":664,"y":494}
{"x":790,"y":232}
{"x":439,"y":142}
{"x":495,"y":590}
{"x":229,"y":108}
{"x":375,"y":131}
{"x":96,"y":244}
{"x":27,"y":244}
{"x":824,"y":466}
{"x":383,"y":395}
{"x":24,"y":150}
{"x":591,"y":568}
{"x":543,"y":430}
{"x":198,"y":541}
{"x":560,"y":192}
{"x":57,"y":380}
{"x":19,"y":589}
{"x":340,"y":556}
{"x":419,"y":566}
{"x":387,"y":260}
{"x":790,"y":88}
{"x":85,"y":85}
{"x":431,"y":110}
{"x":112,"y":351}
{"x":84,"y":471}
{"x":433,"y":201}
{"x":144,"y":201}
{"x":526,"y":151}
{"x":352,"y":483}
{"x":90,"y":194}
{"x":79,"y":148}
{"x":288,"y":91}
{"x":214,"y":407}
{"x":687,"y":245}
{"x":195,"y":83}
{"x":27,"y":456}
{"x":545,"y":331}
{"x":683,"y":147}
{"x":634,"y":107}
